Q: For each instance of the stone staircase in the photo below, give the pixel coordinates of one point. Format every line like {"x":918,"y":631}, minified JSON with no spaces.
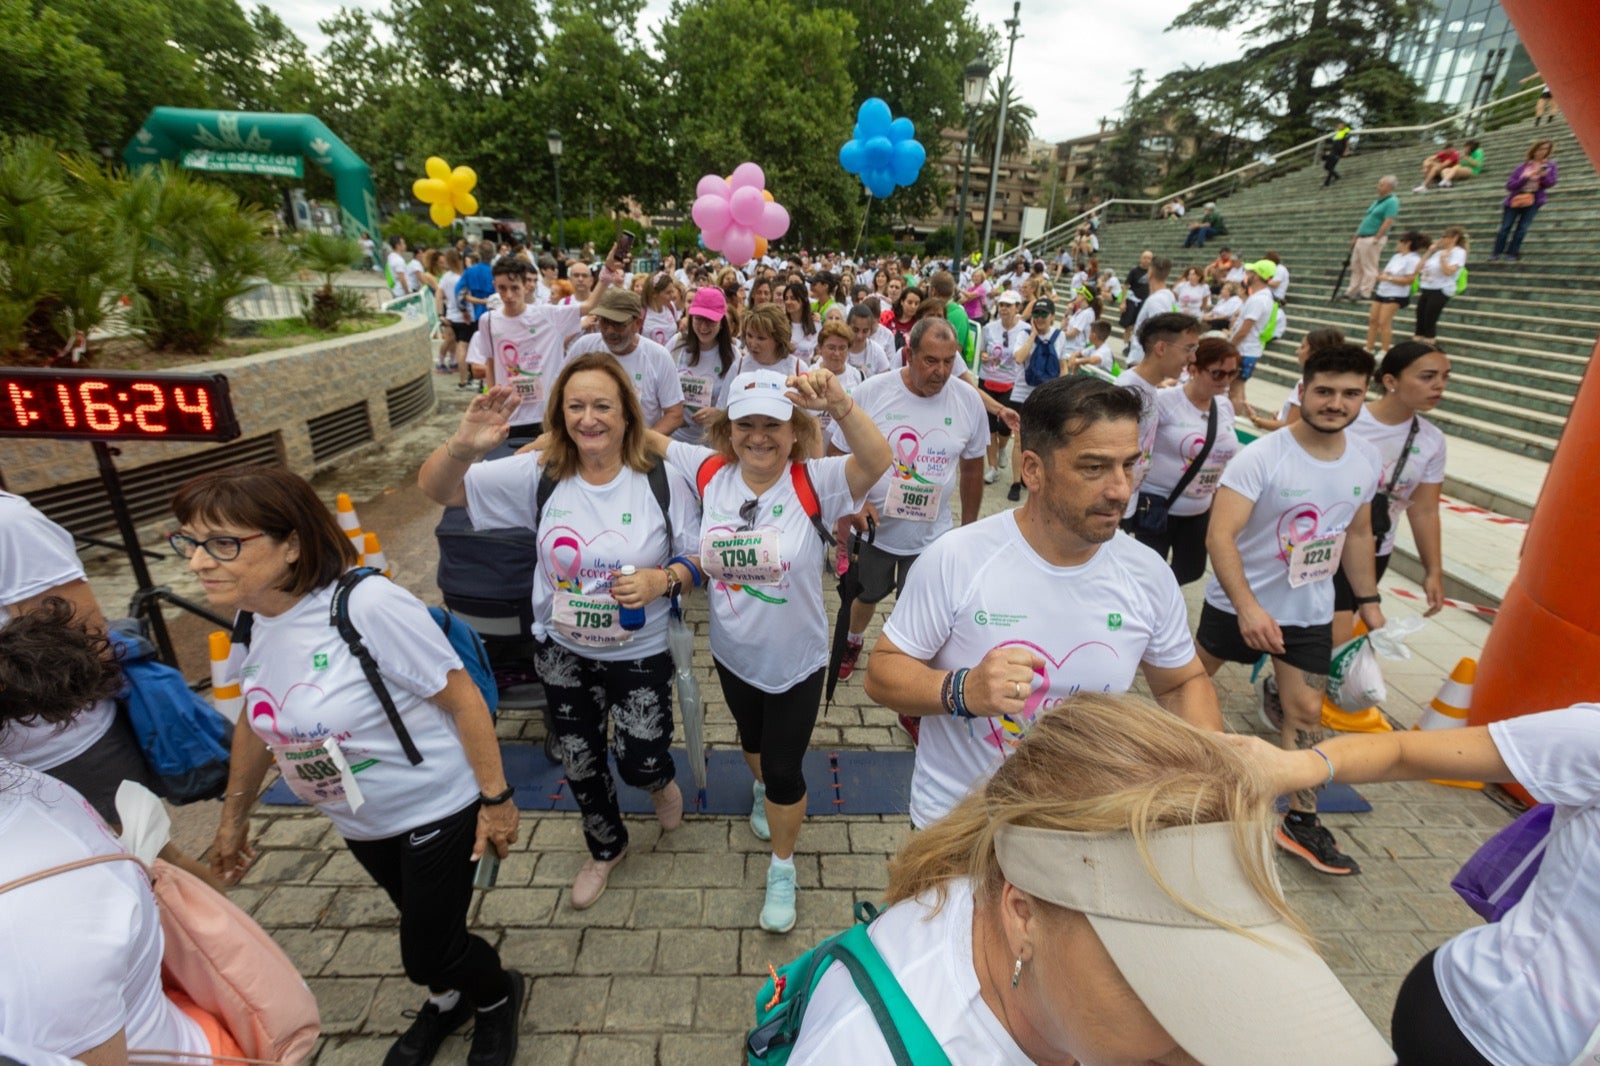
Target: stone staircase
{"x":1518,"y":339}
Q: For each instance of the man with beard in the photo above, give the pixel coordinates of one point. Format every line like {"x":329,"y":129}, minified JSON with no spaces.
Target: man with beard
{"x":649,"y":366}
{"x":1004,"y":618}
{"x":1291,"y":510}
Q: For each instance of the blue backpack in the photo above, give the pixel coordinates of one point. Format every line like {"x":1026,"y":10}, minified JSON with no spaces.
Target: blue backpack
{"x":463,"y":639}
{"x":184,"y":740}
{"x":1043,"y":363}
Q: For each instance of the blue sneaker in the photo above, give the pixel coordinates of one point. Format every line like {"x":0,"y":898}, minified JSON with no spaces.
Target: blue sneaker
{"x":758,"y":813}
{"x":778,"y":914}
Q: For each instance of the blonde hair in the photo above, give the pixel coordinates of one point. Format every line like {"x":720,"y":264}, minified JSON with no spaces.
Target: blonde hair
{"x":832,"y":328}
{"x":561,"y":457}
{"x":770,"y":320}
{"x":807,"y":435}
{"x":1099,"y":763}
{"x":1459,"y":234}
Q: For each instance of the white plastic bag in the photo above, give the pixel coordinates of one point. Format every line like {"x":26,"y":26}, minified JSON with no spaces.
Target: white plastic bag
{"x":1355,"y":680}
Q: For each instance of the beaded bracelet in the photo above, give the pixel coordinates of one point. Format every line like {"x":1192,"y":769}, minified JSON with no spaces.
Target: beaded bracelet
{"x":959,"y":693}
{"x":946,"y":692}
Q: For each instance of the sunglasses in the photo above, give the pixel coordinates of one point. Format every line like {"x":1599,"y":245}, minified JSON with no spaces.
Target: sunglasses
{"x":1223,"y":375}
{"x":747,"y":514}
{"x":222,"y":549}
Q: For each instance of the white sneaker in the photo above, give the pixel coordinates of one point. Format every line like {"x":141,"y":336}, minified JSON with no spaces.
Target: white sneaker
{"x":1420,"y":188}
{"x":990,"y":475}
{"x":1005,"y":455}
{"x":1445,"y":185}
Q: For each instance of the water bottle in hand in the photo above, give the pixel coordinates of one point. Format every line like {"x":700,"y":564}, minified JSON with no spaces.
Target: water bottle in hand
{"x":630,"y":618}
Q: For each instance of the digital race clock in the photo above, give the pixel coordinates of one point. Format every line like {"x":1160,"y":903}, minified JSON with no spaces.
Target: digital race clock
{"x":115,"y":405}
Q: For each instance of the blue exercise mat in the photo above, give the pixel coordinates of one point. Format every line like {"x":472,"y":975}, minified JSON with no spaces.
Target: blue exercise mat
{"x":843,"y":782}
{"x":1336,"y":799}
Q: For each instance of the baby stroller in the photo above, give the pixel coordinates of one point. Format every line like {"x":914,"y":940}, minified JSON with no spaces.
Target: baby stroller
{"x":486,"y":577}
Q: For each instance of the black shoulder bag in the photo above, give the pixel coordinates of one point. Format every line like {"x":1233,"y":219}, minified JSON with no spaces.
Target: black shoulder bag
{"x":1150,"y":516}
{"x":1382,"y":521}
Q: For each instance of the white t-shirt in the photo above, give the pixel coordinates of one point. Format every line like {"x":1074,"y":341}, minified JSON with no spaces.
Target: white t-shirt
{"x":883,"y":337}
{"x":1424,"y":467}
{"x":1433,"y":275}
{"x":1024,"y":350}
{"x":652,"y":370}
{"x":301,"y":683}
{"x":1180,"y":434}
{"x":849,"y":379}
{"x":1076,"y":334}
{"x":803,"y":344}
{"x":1149,"y":423}
{"x":983,"y":586}
{"x":36,"y":555}
{"x":700,"y":379}
{"x":587,"y":532}
{"x":1191,"y":296}
{"x":997,"y":356}
{"x":930,"y":956}
{"x":1257,"y":309}
{"x":1401,"y":264}
{"x":1280,"y":282}
{"x":928,"y":437}
{"x":1526,"y":989}
{"x":1297,"y":499}
{"x":1159,"y":303}
{"x":1291,"y":400}
{"x":527,"y":352}
{"x":1235,"y":274}
{"x":660,"y":326}
{"x":871,"y":360}
{"x":82,"y":948}
{"x":452,"y":304}
{"x":1228,"y":309}
{"x":770,"y":636}
{"x":1101,"y":357}
{"x":397,"y":270}
{"x":414,"y":273}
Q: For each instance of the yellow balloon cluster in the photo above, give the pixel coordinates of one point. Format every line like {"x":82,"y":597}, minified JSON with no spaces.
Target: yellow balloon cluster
{"x":446,"y":191}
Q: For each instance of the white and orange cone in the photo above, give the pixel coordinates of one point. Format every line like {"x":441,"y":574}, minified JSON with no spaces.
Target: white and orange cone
{"x":348,"y":520}
{"x":1448,"y":709}
{"x":372,"y":554}
{"x":226,"y":695}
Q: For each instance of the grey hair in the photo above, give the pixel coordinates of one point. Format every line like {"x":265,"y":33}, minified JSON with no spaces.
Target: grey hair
{"x":920,"y":331}
{"x":1393,"y":181}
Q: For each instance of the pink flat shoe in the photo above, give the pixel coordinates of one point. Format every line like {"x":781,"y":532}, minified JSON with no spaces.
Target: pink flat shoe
{"x":590,"y":884}
{"x":669,"y":806}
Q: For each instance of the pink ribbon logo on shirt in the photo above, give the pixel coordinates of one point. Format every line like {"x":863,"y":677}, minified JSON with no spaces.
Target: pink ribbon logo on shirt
{"x":1005,"y":731}
{"x":566,"y":572}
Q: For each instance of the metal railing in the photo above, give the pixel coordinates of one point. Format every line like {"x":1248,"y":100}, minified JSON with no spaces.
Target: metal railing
{"x":1253,"y":172}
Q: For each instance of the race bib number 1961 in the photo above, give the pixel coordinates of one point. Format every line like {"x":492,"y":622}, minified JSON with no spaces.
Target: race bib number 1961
{"x":913,"y":501}
{"x":1315,"y":560}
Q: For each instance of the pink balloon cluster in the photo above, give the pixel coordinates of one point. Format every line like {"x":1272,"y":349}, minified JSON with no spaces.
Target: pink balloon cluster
{"x":736,"y":214}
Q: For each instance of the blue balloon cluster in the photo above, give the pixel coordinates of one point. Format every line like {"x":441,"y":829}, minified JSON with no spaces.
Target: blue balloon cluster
{"x":882,"y":152}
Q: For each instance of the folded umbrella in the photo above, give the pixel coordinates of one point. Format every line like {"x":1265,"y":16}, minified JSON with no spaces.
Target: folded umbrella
{"x":680,"y":641}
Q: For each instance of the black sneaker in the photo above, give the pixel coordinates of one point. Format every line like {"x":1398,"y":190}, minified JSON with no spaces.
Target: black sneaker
{"x":419,"y":1044}
{"x":1271,"y":706}
{"x":1314,"y":843}
{"x":494,"y":1035}
{"x":1015,"y":495}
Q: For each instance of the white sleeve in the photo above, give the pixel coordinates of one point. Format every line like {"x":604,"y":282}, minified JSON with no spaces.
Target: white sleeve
{"x":69,"y":999}
{"x":978,"y":439}
{"x":407,"y":644}
{"x":684,"y":507}
{"x":1246,"y":473}
{"x":669,"y":391}
{"x":28,"y":1056}
{"x":1554,"y":755}
{"x":1433,"y":471}
{"x":478,"y":346}
{"x":686,"y":459}
{"x":502,"y":494}
{"x":834,"y":498}
{"x":1171,"y":644}
{"x":35,"y":554}
{"x":925,"y":614}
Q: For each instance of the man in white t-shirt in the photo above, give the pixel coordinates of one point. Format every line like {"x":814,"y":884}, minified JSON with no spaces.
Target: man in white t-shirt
{"x":620,"y":316}
{"x":399,"y":282}
{"x":1258,"y":311}
{"x":522,"y":345}
{"x":1004,"y":618}
{"x":1169,"y":340}
{"x":414,"y":269}
{"x":1293,"y":507}
{"x":1160,"y":301}
{"x":938,"y":430}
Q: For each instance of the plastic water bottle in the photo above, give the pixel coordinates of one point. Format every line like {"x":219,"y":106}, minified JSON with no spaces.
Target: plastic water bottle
{"x":630,"y":618}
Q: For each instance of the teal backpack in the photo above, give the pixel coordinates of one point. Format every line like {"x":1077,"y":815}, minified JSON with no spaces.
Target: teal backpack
{"x":781,"y":1003}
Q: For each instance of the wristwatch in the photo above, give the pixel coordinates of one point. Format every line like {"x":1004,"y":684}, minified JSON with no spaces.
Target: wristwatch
{"x":674,"y":586}
{"x":495,"y":801}
{"x":1362,"y":601}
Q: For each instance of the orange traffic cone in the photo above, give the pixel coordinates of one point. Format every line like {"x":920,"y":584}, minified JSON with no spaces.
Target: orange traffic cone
{"x":372,"y":554}
{"x":348,"y":521}
{"x":1370,"y":720}
{"x":226,"y":695}
{"x":1448,"y":710}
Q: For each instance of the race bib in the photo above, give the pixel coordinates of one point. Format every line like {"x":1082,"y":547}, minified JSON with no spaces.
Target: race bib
{"x":913,"y":501}
{"x":528,"y":386}
{"x":589,"y":620}
{"x":1315,"y":560}
{"x":697,"y":391}
{"x":318,"y":773}
{"x":750,"y":557}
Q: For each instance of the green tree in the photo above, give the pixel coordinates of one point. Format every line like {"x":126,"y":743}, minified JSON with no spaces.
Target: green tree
{"x":327,"y":256}
{"x":1019,"y":125}
{"x":769,"y":82}
{"x":54,"y":81}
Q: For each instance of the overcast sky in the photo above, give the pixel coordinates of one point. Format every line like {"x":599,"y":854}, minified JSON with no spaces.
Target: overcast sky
{"x":1072,"y":61}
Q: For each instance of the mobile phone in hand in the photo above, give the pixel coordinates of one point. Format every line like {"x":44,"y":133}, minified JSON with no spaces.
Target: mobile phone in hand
{"x":624,"y":246}
{"x":488,"y":870}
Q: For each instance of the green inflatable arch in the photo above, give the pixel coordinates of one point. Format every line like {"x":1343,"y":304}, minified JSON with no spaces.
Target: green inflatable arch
{"x":258,"y":142}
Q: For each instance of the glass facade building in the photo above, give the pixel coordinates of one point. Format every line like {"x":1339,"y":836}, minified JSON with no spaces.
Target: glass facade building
{"x":1465,"y":53}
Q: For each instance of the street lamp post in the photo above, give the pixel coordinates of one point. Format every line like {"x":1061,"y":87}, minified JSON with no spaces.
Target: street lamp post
{"x":553,"y":139}
{"x":1012,"y":24}
{"x":400,"y":181}
{"x":974,"y":79}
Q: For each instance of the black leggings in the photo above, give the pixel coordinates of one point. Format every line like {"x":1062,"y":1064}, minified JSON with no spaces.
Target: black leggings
{"x":635,"y":697}
{"x":427,"y":871}
{"x":1184,"y":540}
{"x":1422,"y":1030}
{"x":776,"y":726}
{"x":1430,"y":305}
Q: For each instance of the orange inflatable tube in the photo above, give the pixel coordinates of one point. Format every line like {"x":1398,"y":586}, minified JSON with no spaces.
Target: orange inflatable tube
{"x":1544,"y":648}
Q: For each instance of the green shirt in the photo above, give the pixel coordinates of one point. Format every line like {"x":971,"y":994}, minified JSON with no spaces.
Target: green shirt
{"x":958,"y":319}
{"x":1384,"y":207}
{"x":1474,"y":161}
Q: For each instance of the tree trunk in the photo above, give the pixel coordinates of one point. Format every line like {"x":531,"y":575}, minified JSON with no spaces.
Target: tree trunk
{"x":1302,"y":92}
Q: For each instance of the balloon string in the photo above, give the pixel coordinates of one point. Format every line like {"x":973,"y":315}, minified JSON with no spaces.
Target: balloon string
{"x":864,"y":216}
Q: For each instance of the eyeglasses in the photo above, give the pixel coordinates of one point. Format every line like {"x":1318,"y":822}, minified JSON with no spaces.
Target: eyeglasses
{"x":222,"y":549}
{"x":747,"y":514}
{"x":1223,"y":375}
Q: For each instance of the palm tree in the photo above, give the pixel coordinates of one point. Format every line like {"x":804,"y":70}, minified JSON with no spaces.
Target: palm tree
{"x":1019,"y":124}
